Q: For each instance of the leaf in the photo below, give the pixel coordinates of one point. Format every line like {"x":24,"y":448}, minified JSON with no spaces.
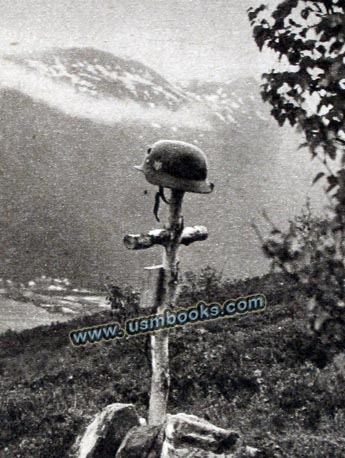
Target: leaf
{"x":321,"y":49}
{"x":294,"y":23}
{"x":305,"y":13}
{"x":318,"y":176}
{"x":333,"y":182}
{"x":261,"y":35}
{"x":336,"y":46}
{"x":253,"y":14}
{"x":331,"y":150}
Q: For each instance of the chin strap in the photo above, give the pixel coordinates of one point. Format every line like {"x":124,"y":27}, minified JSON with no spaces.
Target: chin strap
{"x":159,"y":195}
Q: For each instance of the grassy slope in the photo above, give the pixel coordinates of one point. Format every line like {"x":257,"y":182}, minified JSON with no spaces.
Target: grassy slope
{"x":261,"y":374}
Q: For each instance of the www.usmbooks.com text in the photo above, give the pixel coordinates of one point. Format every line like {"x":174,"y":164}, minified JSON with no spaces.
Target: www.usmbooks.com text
{"x":170,"y":318}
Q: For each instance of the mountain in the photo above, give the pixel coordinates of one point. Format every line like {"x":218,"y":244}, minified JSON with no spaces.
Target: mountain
{"x":235,"y":102}
{"x":96,"y":73}
{"x":102,"y":75}
{"x":74,"y":121}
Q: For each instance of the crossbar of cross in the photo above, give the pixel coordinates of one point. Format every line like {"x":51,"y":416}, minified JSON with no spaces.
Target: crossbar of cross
{"x":170,"y":237}
{"x":162,"y":236}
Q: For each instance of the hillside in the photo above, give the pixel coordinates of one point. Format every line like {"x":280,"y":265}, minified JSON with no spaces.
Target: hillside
{"x":68,"y":193}
{"x":262,"y":375}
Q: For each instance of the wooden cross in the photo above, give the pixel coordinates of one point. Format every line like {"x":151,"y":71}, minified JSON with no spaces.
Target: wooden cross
{"x":171,"y":237}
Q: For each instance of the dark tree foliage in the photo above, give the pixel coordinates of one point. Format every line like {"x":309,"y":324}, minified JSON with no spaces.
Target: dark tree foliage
{"x":307,"y":90}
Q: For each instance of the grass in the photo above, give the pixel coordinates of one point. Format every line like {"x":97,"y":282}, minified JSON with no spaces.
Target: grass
{"x":263,"y":375}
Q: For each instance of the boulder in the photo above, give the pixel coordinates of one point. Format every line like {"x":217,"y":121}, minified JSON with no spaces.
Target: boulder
{"x":193,"y":437}
{"x":105,"y":433}
{"x":252,"y":452}
{"x":143,"y":442}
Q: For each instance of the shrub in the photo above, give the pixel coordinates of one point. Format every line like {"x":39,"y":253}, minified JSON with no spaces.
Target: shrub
{"x":312,"y":253}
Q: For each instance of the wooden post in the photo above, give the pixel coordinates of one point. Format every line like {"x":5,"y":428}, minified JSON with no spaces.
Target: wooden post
{"x":165,"y":287}
{"x":160,"y":380}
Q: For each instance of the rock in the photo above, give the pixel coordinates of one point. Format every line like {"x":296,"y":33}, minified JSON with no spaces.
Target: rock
{"x":190,"y":436}
{"x":105,"y":433}
{"x":142,"y":421}
{"x":252,"y":452}
{"x":247,"y":451}
{"x":142,"y":442}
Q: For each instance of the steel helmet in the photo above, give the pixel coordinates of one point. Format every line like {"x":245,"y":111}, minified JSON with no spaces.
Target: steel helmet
{"x":178,"y":165}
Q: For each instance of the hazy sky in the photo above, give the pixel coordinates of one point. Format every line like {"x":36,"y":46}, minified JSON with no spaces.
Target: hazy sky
{"x":181,"y":39}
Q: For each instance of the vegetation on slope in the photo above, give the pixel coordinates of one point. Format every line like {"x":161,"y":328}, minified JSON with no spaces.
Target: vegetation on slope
{"x":263,"y":374}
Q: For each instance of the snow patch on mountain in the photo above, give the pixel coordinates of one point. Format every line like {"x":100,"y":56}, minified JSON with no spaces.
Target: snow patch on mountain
{"x":95,"y":84}
{"x":232,"y":102}
{"x":104,"y":109}
{"x":101,"y":74}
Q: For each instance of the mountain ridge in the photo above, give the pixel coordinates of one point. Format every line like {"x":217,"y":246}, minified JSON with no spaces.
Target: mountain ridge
{"x":69,"y":194}
{"x":98,"y":73}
